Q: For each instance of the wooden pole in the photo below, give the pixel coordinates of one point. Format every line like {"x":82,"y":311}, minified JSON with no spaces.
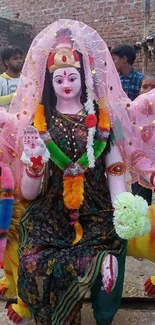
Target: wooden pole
{"x":146,"y":33}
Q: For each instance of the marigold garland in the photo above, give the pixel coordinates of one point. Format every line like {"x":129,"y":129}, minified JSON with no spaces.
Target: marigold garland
{"x":39,"y":120}
{"x":73,"y":192}
{"x":103,"y":122}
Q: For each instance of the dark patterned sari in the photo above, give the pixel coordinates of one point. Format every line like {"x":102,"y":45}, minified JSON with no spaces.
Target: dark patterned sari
{"x":54,"y":274}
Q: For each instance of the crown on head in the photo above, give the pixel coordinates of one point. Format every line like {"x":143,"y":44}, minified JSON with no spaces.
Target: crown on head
{"x":63,"y":58}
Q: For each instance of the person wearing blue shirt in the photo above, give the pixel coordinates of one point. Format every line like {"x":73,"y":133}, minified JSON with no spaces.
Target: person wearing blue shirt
{"x":124,"y":57}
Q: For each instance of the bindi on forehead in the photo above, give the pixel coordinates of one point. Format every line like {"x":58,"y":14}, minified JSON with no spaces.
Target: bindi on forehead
{"x":65,"y":73}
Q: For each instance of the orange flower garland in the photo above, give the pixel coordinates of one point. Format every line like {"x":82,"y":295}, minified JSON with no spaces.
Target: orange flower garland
{"x":73,"y":193}
{"x":103,"y":122}
{"x":39,"y":120}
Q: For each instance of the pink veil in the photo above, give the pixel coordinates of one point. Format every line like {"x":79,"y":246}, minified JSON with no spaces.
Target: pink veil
{"x":102,"y":81}
{"x":142,"y":122}
{"x":101,"y":77}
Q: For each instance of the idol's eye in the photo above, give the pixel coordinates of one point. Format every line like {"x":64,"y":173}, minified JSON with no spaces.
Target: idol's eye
{"x":72,"y":79}
{"x":58,"y":80}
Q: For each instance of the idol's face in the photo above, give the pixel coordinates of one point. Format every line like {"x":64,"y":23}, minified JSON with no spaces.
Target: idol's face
{"x":67,"y":83}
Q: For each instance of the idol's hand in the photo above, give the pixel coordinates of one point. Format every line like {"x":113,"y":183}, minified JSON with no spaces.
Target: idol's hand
{"x":35,"y":154}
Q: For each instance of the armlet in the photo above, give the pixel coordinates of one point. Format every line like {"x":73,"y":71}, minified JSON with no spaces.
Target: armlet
{"x":117,"y":169}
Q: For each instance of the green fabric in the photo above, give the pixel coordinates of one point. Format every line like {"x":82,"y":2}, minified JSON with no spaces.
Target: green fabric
{"x":57,"y":156}
{"x":99,"y":146}
{"x":61,"y":160}
{"x":76,"y":292}
{"x":105,"y":306}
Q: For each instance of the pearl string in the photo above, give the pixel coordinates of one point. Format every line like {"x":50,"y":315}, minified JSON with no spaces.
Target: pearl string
{"x":72,"y":132}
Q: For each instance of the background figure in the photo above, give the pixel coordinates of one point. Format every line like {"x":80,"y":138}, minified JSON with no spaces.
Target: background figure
{"x":124,"y":57}
{"x":147,"y":84}
{"x":13,"y":59}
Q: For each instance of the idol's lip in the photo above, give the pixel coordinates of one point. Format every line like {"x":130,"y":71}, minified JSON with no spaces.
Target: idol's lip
{"x":67,"y":90}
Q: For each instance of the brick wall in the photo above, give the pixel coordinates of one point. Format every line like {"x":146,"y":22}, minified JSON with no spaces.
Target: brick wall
{"x":14,"y":33}
{"x":115,"y":20}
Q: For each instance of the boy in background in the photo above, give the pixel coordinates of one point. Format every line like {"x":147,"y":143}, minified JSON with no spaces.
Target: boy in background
{"x":13,"y":59}
{"x":124,"y":57}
